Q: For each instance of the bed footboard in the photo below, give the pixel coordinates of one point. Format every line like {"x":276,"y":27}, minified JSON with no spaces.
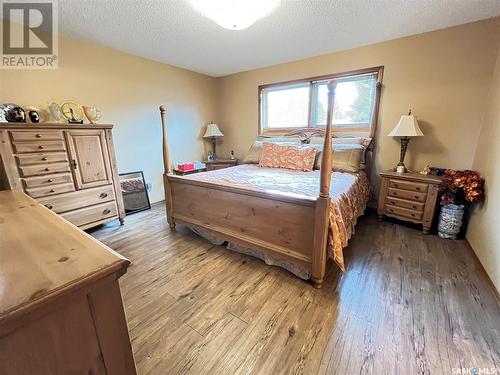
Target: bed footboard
{"x":276,"y":223}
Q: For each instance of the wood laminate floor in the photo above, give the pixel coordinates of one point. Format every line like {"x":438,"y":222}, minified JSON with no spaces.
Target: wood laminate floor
{"x":407,"y":304}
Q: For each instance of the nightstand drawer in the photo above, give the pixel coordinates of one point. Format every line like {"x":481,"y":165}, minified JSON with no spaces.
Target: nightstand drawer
{"x":416,"y":206}
{"x":398,"y":211}
{"x":408,"y":185}
{"x":218,"y":166}
{"x":406,"y":194}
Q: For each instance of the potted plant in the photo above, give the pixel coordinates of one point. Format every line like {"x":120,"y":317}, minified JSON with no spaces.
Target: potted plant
{"x":458,"y":189}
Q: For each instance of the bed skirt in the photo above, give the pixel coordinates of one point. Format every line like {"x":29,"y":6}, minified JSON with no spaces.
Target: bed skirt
{"x":269,"y":259}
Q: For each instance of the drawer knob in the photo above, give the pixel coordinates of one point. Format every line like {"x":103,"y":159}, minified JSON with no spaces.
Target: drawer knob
{"x":103,"y":195}
{"x":44,"y":158}
{"x":396,"y":185}
{"x":38,"y":136}
{"x":418,"y":188}
{"x":47,"y":169}
{"x":416,"y":196}
{"x":49,"y":180}
{"x":40,"y":147}
{"x":106,"y":211}
{"x":395,"y":193}
{"x":415,"y":207}
{"x":412,"y":215}
{"x":52,"y":191}
{"x":49,"y":206}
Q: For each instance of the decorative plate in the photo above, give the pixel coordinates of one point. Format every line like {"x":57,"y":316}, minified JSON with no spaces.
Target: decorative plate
{"x":73,"y":112}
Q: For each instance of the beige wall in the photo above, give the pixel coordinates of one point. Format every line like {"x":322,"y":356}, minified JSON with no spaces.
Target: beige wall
{"x":128,"y":90}
{"x":443,"y":76}
{"x":483,"y":233}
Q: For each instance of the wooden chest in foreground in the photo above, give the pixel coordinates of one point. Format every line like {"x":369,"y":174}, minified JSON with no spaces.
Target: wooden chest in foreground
{"x":61,"y":310}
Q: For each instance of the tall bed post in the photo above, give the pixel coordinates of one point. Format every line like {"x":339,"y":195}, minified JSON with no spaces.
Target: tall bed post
{"x":320,"y":250}
{"x":167,"y":167}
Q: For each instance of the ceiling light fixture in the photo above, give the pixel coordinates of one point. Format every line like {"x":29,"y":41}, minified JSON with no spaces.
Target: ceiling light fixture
{"x":235,"y":14}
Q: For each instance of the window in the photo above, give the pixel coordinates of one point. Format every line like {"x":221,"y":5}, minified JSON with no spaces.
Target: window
{"x":303,"y":104}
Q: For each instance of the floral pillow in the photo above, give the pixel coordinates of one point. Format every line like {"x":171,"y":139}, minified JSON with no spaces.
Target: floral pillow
{"x":287,"y":156}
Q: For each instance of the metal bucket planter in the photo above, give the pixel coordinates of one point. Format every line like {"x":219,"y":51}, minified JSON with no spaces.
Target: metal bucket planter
{"x":450,"y":221}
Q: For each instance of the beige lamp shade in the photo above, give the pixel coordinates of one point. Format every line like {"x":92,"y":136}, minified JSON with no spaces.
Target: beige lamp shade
{"x":212,"y":131}
{"x":406,"y":127}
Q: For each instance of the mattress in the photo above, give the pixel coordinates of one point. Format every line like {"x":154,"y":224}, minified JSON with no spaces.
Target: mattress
{"x":349,"y":194}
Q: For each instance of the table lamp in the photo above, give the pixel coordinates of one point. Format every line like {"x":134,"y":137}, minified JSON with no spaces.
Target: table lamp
{"x":406,"y":127}
{"x":213,"y":132}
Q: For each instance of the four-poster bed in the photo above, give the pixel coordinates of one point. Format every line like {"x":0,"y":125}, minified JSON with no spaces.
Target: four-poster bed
{"x":291,"y":229}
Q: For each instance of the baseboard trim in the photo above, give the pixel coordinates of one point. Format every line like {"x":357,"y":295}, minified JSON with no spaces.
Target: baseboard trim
{"x":158,"y":203}
{"x":483,"y":271}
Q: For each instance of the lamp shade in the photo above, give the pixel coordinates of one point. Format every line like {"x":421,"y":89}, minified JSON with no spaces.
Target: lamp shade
{"x":212,"y":131}
{"x":406,"y":127}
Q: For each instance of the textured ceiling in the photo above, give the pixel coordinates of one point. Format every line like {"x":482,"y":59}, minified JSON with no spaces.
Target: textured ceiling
{"x":170,"y":31}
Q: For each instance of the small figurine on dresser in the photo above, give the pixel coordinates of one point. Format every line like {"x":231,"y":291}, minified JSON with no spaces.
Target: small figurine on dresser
{"x":35,"y":114}
{"x":54,"y":110}
{"x":92,"y":113}
{"x":426,"y":170}
{"x":10,"y":112}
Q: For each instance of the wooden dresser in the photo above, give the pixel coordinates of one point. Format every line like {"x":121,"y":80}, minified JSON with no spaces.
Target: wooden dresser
{"x":409,"y":196}
{"x":61,"y":310}
{"x":71,"y":169}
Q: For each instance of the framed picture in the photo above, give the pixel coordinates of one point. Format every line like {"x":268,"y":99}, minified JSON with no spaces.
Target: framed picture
{"x":135,"y":194}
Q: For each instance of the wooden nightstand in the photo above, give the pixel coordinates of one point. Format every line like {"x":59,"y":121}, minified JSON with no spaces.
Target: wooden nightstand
{"x":183,"y":173}
{"x":409,"y":196}
{"x":219,"y":164}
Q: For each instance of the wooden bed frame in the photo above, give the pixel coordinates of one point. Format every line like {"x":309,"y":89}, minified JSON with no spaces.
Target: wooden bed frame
{"x":289,"y":228}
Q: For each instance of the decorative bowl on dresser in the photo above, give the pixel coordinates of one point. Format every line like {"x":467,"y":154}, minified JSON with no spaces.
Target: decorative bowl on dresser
{"x":220,"y":164}
{"x":71,"y":169}
{"x":409,"y":197}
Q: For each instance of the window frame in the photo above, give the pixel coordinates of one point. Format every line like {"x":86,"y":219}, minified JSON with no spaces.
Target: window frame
{"x":378,"y":71}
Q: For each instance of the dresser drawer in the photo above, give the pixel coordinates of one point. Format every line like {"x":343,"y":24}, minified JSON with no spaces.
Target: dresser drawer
{"x":416,"y":206}
{"x":36,"y":135}
{"x":398,"y":211}
{"x":91,"y":214}
{"x":37,"y":146}
{"x":42,"y":169}
{"x":81,"y":198}
{"x":41,"y":158}
{"x":405,"y":194}
{"x":49,"y":179}
{"x":45,"y":191}
{"x":408,"y":185}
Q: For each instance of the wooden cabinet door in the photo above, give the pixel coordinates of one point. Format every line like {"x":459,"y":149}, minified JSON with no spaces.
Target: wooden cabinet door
{"x":89,"y":158}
